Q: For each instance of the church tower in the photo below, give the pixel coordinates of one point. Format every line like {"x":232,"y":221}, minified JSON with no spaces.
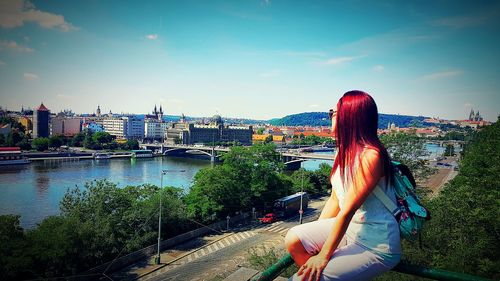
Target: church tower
{"x":98,"y":111}
{"x":160,"y":114}
{"x":471,"y":115}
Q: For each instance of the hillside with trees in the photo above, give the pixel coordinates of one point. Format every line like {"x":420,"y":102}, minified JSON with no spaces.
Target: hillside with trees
{"x":321,"y":119}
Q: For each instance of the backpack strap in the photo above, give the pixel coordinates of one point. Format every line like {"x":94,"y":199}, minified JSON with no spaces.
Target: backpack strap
{"x":393,"y":208}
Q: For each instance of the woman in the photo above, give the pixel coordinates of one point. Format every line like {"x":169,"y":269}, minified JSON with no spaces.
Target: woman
{"x":355,"y":237}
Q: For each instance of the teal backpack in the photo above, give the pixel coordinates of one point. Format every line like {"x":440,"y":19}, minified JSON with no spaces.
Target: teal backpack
{"x":409,"y":212}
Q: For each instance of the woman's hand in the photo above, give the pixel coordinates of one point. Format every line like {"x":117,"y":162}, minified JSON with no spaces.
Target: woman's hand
{"x":313,"y":268}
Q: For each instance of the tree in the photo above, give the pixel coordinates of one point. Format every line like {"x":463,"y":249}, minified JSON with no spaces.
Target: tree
{"x":133,"y":144}
{"x":55,"y":141}
{"x":13,"y":261}
{"x":40,"y":144}
{"x":410,"y":150}
{"x":269,"y":139}
{"x":78,"y":139}
{"x":102,"y":138}
{"x":249,"y":177}
{"x":13,"y":138}
{"x":450,"y":150}
{"x":464,"y":232}
{"x":2,"y":139}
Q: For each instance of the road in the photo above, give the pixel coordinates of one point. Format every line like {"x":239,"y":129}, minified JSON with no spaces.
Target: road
{"x":216,"y":260}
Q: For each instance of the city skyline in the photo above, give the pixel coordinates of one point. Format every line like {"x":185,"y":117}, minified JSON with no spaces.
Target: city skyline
{"x":250,"y":59}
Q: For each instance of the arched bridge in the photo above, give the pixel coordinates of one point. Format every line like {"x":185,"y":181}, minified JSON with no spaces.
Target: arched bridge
{"x":291,"y":159}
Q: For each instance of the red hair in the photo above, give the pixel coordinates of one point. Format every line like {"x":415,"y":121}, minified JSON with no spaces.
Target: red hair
{"x":357,"y":124}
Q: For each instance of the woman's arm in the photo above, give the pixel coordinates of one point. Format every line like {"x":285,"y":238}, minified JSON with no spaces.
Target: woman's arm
{"x":365,"y":179}
{"x":331,"y":208}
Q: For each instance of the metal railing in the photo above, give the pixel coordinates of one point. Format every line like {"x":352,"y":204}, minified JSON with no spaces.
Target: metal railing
{"x":437,"y":274}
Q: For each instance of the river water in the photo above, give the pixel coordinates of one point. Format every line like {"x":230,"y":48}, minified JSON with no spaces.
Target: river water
{"x":35,"y":190}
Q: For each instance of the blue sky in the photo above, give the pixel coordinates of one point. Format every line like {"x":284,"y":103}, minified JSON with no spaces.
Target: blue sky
{"x":251,"y":59}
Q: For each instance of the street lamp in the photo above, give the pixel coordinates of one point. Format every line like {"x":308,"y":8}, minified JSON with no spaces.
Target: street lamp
{"x":163,"y":172}
{"x":301,"y":195}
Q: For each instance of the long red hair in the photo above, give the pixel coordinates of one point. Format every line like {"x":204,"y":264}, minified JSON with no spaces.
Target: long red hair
{"x":357,"y":123}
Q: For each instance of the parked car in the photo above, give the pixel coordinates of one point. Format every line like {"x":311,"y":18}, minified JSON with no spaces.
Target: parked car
{"x":269,"y":218}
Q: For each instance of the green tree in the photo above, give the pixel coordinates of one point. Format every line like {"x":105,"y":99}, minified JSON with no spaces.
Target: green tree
{"x":102,"y":138}
{"x":56,"y":141}
{"x":260,"y":131}
{"x":269,"y":139}
{"x":410,"y":150}
{"x":2,"y":140}
{"x":14,"y":138}
{"x":78,"y":139}
{"x":249,"y":177}
{"x":449,"y":150}
{"x":464,"y":232}
{"x":133,"y":144}
{"x":13,"y":248}
{"x":40,"y":144}
{"x":301,"y":180}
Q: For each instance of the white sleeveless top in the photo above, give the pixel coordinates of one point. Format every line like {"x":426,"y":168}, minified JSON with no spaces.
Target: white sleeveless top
{"x":372,"y":226}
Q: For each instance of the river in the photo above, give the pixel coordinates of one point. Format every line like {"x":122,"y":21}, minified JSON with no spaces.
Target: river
{"x":35,"y":190}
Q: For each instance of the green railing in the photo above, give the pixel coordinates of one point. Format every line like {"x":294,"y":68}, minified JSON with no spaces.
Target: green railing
{"x":437,"y":274}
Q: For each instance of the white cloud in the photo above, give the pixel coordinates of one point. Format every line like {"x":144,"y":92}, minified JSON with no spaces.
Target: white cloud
{"x":378,"y":68}
{"x":442,"y":74}
{"x":30,"y":76}
{"x":16,"y":13}
{"x":151,"y":36}
{"x":272,"y":73}
{"x":13,"y":46}
{"x":339,"y":60}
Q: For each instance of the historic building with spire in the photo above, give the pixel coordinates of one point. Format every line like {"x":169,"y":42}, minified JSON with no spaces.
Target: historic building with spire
{"x":154,"y":126}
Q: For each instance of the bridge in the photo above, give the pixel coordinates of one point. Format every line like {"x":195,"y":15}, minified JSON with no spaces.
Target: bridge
{"x":291,"y":158}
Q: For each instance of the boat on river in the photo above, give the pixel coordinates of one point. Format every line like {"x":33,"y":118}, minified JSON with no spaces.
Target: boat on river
{"x":102,"y":155}
{"x":12,"y":156}
{"x":142,"y":153}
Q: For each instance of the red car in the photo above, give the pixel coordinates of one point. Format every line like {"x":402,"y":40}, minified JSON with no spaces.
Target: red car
{"x":269,"y":218}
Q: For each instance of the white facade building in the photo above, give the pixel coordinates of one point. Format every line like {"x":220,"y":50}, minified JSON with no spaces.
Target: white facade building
{"x":154,"y":129}
{"x":115,"y":126}
{"x":128,"y":127}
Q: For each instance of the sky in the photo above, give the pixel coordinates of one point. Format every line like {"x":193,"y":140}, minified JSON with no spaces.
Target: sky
{"x":252,"y":59}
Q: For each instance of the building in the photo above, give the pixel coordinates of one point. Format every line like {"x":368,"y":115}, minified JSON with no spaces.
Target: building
{"x":114,"y":126}
{"x":26,"y":122}
{"x":154,"y":126}
{"x":65,"y":126}
{"x":41,"y":117}
{"x":154,"y":129}
{"x":93,"y":127}
{"x":475,"y":116}
{"x":127,"y":127}
{"x":213,"y":132}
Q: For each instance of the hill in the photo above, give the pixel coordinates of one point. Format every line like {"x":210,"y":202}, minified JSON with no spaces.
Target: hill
{"x":321,"y":119}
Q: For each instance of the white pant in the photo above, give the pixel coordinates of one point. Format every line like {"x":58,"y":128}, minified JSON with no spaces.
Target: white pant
{"x":350,"y":261}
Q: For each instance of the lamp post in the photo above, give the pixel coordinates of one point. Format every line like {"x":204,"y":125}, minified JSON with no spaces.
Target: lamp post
{"x":301,"y":195}
{"x":163,"y":172}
